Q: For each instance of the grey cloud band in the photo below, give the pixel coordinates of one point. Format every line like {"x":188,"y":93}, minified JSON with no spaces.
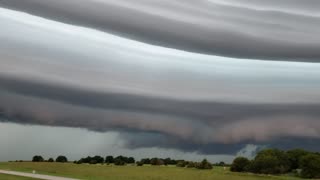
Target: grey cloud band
{"x":273,"y":30}
{"x":187,"y":122}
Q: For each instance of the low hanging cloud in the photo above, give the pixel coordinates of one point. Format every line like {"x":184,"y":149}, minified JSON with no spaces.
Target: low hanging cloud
{"x":207,"y":127}
{"x":273,"y":30}
{"x":57,"y":74}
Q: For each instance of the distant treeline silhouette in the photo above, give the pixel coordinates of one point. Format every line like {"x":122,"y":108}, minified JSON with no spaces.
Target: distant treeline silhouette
{"x":39,"y":158}
{"x":274,"y":161}
{"x":123,"y":160}
{"x":298,"y":162}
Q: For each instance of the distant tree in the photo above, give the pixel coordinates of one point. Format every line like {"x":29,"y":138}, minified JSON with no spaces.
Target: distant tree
{"x":181,"y":163}
{"x":86,"y":160}
{"x":91,"y":160}
{"x":265,"y":165}
{"x":37,"y":158}
{"x":295,"y":156}
{"x":97,"y":160}
{"x":310,"y":166}
{"x":153,"y":161}
{"x":156,"y":161}
{"x":79,"y":162}
{"x":145,"y":161}
{"x":240,"y":164}
{"x":109,"y":159}
{"x":191,"y":165}
{"x":121,"y":158}
{"x":270,"y":161}
{"x":50,"y":160}
{"x":169,"y":161}
{"x":119,"y":162}
{"x":62,"y":159}
{"x":204,"y":164}
{"x":131,"y":160}
{"x":274,"y":161}
{"x":221,"y":163}
{"x":139,"y":163}
{"x":173,"y":162}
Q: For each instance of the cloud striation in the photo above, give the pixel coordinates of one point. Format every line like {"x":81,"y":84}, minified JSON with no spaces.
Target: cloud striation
{"x":63,"y":74}
{"x":274,"y":30}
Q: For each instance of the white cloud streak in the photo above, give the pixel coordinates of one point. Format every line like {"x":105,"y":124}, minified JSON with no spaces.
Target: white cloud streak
{"x":273,"y":30}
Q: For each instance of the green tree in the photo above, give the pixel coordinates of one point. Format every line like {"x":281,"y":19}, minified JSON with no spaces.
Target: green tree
{"x":62,"y":159}
{"x":270,"y":161}
{"x":97,"y":160}
{"x":191,"y":165}
{"x":204,"y":164}
{"x":50,"y":160}
{"x":119,"y":162}
{"x":85,"y":160}
{"x":240,"y":164}
{"x":221,"y":163}
{"x":145,"y":161}
{"x":131,"y":160}
{"x":294,"y":157}
{"x":156,"y":161}
{"x":167,"y":161}
{"x":109,"y":159}
{"x":37,"y":158}
{"x":181,"y":163}
{"x":310,"y":166}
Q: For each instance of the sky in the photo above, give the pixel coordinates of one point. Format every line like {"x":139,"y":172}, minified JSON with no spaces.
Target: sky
{"x":185,"y":79}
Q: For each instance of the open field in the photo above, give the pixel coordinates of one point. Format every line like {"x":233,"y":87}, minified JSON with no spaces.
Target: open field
{"x":10,"y":177}
{"x":102,"y":172}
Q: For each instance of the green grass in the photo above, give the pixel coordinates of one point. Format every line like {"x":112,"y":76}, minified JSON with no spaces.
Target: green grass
{"x":105,"y":172}
{"x":10,"y":177}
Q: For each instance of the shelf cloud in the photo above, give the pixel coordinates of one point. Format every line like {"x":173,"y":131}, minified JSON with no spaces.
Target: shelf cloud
{"x":273,"y":30}
{"x":197,"y":76}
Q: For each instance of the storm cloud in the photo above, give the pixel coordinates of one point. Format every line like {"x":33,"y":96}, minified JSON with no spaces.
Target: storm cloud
{"x":150,"y":71}
{"x":273,"y":30}
{"x":207,"y":127}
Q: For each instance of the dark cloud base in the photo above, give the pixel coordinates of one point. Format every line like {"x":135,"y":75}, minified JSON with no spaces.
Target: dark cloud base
{"x":150,"y":140}
{"x":205,"y":111}
{"x":156,"y":122}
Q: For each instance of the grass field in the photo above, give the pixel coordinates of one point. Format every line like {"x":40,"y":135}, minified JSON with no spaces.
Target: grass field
{"x":105,"y":172}
{"x":9,"y":177}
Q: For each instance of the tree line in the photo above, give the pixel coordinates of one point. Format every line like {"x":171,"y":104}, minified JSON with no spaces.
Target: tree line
{"x":299,"y":162}
{"x":204,"y":164}
{"x":274,"y":161}
{"x":119,"y":160}
{"x":39,"y":158}
{"x":123,"y":160}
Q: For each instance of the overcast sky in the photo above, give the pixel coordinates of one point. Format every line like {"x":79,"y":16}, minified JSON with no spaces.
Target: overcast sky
{"x":180,"y":78}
